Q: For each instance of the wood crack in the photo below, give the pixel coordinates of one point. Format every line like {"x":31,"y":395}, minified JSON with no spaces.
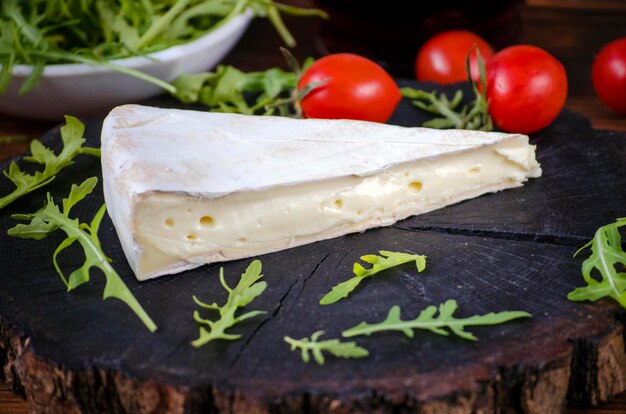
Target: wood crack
{"x":317,"y":266}
{"x":256,"y":330}
{"x":503,"y":235}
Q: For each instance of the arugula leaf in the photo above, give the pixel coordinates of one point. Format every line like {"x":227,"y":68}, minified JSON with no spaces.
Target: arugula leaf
{"x":245,"y":292}
{"x":385,"y":261}
{"x":50,"y":218}
{"x":72,"y":136}
{"x":607,"y":258}
{"x":474,"y":116}
{"x":333,"y":346}
{"x":436,"y":324}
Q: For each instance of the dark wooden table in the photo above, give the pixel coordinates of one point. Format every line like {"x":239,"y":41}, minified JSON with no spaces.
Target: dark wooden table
{"x":572,"y":30}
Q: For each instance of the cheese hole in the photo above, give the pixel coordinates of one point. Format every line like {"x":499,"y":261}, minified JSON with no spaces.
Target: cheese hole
{"x":191,"y":236}
{"x":206,"y":221}
{"x":242,"y":239}
{"x":415,"y":187}
{"x":406,"y":174}
{"x":359,"y":212}
{"x":473,"y":172}
{"x":189,"y":211}
{"x":169,"y":222}
{"x":338,"y":203}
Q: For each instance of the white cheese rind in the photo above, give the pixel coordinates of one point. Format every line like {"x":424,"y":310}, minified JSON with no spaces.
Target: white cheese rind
{"x":186,"y":188}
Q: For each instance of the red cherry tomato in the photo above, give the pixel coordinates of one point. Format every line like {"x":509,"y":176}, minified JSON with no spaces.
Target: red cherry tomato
{"x":526,"y":88}
{"x":442,"y":58}
{"x":609,"y":75}
{"x":357,"y":88}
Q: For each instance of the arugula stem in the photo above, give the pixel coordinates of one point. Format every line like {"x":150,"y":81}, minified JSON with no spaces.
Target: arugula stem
{"x":277,"y":21}
{"x":160,"y":23}
{"x":298,"y":11}
{"x":19,"y":47}
{"x":239,"y":8}
{"x":121,"y":291}
{"x":217,"y":329}
{"x":21,"y":191}
{"x":366,"y":330}
{"x":148,"y":7}
{"x":7,"y":63}
{"x":128,"y":71}
{"x":303,"y":344}
{"x":132,"y":72}
{"x":12,"y":10}
{"x":449,"y":114}
{"x":605,"y":268}
{"x":311,"y":346}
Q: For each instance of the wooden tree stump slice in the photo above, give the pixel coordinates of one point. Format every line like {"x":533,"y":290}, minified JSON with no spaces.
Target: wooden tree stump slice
{"x":74,"y":353}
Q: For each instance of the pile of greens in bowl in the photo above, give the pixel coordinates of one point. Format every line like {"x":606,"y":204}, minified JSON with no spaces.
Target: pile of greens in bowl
{"x":43,"y":32}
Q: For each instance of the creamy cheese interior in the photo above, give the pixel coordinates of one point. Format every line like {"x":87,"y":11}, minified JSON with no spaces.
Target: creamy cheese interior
{"x":170,"y":228}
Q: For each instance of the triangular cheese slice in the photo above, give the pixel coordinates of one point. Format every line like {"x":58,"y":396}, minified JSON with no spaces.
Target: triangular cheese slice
{"x":185,"y":188}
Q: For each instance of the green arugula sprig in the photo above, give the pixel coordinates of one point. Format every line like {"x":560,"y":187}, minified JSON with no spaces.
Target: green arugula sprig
{"x":474,"y":116}
{"x":43,"y":32}
{"x":333,"y":346}
{"x":230,"y":90}
{"x":225,"y":89}
{"x":245,"y":292}
{"x":72,"y":136}
{"x":607,"y":258}
{"x":385,"y":261}
{"x":51,"y":218}
{"x":434,"y":323}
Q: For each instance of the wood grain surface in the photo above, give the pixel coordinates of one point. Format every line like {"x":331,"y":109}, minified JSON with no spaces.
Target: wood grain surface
{"x":571,"y":30}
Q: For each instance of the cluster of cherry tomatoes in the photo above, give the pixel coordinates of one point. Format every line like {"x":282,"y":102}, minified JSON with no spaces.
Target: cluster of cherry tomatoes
{"x":526,"y":86}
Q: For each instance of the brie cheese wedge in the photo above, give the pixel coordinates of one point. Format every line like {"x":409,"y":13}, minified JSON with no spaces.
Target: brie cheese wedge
{"x":185,"y":188}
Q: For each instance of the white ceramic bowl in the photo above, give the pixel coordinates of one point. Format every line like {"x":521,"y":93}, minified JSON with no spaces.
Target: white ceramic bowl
{"x":85,"y":90}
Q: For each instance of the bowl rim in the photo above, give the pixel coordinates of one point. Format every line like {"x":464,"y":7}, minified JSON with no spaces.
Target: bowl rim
{"x":162,"y":56}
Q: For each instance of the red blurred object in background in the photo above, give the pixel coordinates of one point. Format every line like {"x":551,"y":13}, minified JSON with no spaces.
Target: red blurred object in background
{"x":609,"y":75}
{"x":443,"y":58}
{"x":391,"y":32}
